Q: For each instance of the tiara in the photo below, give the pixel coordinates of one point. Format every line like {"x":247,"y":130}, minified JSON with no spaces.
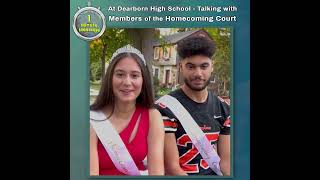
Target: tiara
{"x":128,"y":49}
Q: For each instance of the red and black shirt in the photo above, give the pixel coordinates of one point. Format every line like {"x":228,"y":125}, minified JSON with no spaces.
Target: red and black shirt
{"x":212,"y":116}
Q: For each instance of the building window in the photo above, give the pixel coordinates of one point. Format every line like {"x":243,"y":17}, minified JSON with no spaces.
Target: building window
{"x":167,"y":78}
{"x":156,"y":53}
{"x":167,"y":75}
{"x":166,"y":52}
{"x":156,"y":72}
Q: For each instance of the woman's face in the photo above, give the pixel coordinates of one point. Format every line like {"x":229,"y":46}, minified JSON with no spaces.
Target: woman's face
{"x":127,"y":80}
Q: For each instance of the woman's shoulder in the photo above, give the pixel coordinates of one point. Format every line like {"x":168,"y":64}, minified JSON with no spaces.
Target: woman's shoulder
{"x":154,"y":116}
{"x":155,"y":121}
{"x":153,"y":112}
{"x":99,"y":114}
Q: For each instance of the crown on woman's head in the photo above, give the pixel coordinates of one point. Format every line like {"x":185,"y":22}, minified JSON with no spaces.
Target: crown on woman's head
{"x":128,"y":49}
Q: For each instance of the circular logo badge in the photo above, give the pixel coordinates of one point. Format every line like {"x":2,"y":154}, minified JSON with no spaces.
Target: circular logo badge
{"x":89,"y":23}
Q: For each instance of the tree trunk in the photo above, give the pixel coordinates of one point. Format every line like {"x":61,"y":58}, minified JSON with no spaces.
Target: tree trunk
{"x":142,"y":40}
{"x":224,"y":87}
{"x":218,"y":88}
{"x":103,"y":61}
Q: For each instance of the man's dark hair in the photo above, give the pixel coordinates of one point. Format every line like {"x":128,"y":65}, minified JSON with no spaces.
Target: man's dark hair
{"x":196,"y":45}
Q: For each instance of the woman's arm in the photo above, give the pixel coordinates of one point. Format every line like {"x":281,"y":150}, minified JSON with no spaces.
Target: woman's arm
{"x":94,"y":161}
{"x":224,"y":153}
{"x":155,"y":143}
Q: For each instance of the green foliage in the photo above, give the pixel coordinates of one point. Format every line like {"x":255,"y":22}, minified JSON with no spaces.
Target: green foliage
{"x":222,"y":58}
{"x":159,"y":91}
{"x":114,"y":38}
{"x":95,"y":68}
{"x":183,"y":29}
{"x":163,"y":91}
{"x":163,"y":44}
{"x":102,"y":49}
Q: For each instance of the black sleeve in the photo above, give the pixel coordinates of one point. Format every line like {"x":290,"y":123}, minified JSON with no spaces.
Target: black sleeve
{"x":225,"y":121}
{"x":169,"y":120}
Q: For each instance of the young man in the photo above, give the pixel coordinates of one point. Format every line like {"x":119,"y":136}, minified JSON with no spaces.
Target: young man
{"x":210,"y":113}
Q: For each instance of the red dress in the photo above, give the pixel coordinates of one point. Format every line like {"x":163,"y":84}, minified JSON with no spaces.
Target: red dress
{"x":138,"y":147}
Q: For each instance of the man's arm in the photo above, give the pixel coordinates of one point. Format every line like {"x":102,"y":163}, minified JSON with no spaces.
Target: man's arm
{"x":224,"y":153}
{"x":171,"y":156}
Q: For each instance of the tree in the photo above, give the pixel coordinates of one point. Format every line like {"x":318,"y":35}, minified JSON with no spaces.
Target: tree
{"x":95,"y":62}
{"x":183,"y":29}
{"x":102,"y":49}
{"x":222,"y":58}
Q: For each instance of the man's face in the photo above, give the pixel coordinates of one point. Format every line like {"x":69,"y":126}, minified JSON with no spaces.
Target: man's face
{"x":196,"y":71}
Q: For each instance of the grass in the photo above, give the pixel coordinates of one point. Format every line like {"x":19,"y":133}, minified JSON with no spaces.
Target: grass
{"x":95,"y":86}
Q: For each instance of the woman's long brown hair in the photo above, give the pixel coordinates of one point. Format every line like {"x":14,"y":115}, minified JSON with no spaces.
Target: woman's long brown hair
{"x":106,"y":95}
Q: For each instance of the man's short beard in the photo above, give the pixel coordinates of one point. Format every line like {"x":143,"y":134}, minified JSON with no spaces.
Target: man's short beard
{"x":197,"y":88}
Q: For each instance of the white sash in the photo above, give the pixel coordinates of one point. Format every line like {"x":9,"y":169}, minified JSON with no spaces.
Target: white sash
{"x":196,"y":135}
{"x":113,"y":144}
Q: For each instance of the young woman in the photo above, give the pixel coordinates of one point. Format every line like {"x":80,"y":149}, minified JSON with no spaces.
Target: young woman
{"x":126,"y":100}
